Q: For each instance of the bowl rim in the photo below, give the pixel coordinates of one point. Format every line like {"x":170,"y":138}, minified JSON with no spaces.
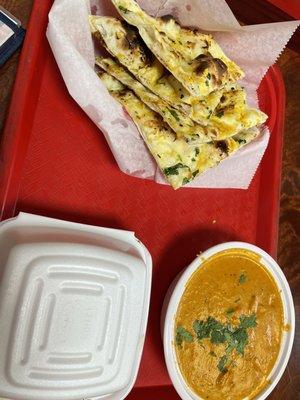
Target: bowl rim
{"x":174,"y":295}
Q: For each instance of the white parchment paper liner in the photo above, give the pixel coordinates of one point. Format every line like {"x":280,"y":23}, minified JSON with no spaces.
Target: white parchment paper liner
{"x":255,"y":48}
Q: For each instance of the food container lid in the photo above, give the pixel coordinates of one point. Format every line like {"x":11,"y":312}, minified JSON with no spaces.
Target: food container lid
{"x":74,"y":303}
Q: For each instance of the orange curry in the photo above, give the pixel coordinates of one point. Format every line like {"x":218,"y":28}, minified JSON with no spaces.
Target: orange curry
{"x":228,"y":327}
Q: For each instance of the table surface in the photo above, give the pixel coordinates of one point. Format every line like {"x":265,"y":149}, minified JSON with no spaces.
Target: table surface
{"x":289,"y":232}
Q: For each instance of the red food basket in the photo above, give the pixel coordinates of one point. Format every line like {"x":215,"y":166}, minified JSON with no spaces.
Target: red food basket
{"x":55,"y":162}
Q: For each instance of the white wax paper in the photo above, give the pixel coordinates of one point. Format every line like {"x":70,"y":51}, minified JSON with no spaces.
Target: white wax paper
{"x":255,"y":48}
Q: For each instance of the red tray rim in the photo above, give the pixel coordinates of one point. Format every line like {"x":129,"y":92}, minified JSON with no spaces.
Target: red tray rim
{"x":17,"y":130}
{"x":16,"y":134}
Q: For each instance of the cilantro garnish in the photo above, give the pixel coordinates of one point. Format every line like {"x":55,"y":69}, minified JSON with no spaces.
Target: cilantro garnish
{"x":221,"y":364}
{"x":174,"y":114}
{"x":185,"y":180}
{"x":123,"y":9}
{"x":173,"y":170}
{"x":182,"y":335}
{"x":203,"y":329}
{"x":240,"y":340}
{"x":209,"y":114}
{"x":248,"y":321}
{"x":241,"y":141}
{"x":235,"y":337}
{"x":242,"y":278}
{"x":218,"y":336}
{"x":230,"y":311}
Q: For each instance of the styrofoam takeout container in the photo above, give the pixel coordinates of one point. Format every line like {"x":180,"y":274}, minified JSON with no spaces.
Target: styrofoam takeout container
{"x":74,"y":303}
{"x":172,"y":301}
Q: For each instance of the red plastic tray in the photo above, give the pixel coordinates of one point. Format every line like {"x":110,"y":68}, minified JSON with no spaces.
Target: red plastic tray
{"x":55,"y":162}
{"x":290,"y":7}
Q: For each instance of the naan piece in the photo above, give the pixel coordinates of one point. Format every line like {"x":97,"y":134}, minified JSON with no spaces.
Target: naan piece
{"x":233,"y":115}
{"x":229,"y":118}
{"x":182,"y":125}
{"x":179,"y":161}
{"x":194,"y":58}
{"x":124,"y":42}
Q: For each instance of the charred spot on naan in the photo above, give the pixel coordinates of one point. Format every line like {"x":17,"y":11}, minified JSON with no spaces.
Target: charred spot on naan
{"x":132,"y":41}
{"x":216,"y":68}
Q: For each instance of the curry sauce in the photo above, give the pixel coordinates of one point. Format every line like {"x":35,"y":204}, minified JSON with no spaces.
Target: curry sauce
{"x":228,"y":327}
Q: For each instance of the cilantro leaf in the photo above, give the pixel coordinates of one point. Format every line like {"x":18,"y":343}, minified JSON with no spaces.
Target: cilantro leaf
{"x":123,"y":9}
{"x":209,"y":114}
{"x":174,"y":114}
{"x":221,"y":364}
{"x":182,"y":335}
{"x":241,"y":141}
{"x":235,"y":337}
{"x":230,"y":311}
{"x":242,"y":278}
{"x":218,"y":336}
{"x":201,"y":329}
{"x":204,"y":329}
{"x":173,"y":170}
{"x":240,"y":337}
{"x":248,"y":321}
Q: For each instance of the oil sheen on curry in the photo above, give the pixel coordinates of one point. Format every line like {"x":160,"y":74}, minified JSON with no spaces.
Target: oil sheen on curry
{"x":228,"y":327}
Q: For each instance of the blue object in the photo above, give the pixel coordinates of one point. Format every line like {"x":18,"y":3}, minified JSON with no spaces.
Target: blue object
{"x":14,"y":41}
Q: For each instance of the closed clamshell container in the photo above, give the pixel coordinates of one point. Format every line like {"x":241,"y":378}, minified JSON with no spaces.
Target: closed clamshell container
{"x":74,"y":303}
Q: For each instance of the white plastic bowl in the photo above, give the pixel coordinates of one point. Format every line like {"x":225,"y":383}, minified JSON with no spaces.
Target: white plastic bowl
{"x":172,"y":301}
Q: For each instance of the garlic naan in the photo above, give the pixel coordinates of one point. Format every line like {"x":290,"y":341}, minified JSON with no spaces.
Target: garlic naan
{"x":124,"y":42}
{"x":194,"y":58}
{"x":179,"y":161}
{"x":230,"y":118}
